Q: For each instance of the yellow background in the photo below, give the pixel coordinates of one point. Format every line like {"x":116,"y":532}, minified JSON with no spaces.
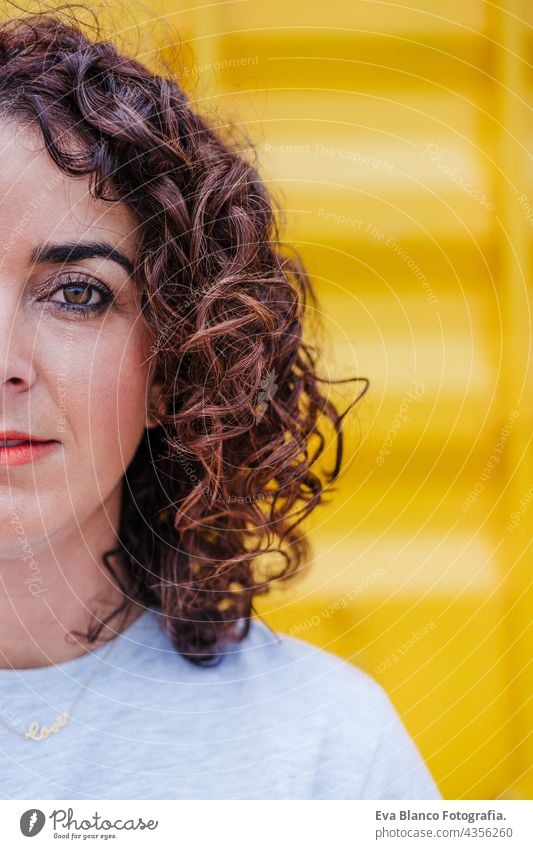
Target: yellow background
{"x":397,"y":137}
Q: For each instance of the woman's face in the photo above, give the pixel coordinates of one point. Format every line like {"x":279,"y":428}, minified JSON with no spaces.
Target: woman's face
{"x":80,"y":375}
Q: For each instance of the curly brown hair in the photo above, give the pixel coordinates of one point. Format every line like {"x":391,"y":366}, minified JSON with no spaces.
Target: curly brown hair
{"x":223,"y":481}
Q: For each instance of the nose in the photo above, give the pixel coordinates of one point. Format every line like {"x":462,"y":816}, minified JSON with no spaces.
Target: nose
{"x":17,"y":351}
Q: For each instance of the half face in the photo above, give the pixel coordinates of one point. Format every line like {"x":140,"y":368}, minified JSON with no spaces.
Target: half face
{"x":73,"y":347}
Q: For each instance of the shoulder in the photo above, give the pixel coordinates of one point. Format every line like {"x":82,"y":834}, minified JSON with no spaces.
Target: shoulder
{"x":347,"y":697}
{"x":273,"y":665}
{"x":313,"y":701}
{"x":280,"y":666}
{"x":365,"y":749}
{"x":269,"y":654}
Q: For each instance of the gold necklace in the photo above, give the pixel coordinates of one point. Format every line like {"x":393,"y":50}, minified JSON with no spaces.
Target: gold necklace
{"x":38,"y":732}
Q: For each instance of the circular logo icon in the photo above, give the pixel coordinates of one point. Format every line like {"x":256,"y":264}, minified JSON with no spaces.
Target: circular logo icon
{"x":32,"y":822}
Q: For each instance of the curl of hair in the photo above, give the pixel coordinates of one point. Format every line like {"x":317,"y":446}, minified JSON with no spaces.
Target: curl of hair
{"x":225,"y":479}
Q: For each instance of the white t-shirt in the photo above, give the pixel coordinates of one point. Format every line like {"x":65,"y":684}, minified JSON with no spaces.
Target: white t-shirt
{"x":276,"y":719}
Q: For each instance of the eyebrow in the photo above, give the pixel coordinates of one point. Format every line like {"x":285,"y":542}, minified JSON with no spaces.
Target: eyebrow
{"x":72,"y":251}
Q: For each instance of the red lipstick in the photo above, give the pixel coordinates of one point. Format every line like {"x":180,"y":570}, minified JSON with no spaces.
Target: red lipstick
{"x":22,"y":448}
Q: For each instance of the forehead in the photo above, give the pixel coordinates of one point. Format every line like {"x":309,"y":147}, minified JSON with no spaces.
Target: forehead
{"x":39,"y":203}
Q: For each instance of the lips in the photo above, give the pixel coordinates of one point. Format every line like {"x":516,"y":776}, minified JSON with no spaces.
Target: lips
{"x":21,"y":437}
{"x":28,"y":451}
{"x":13,"y":443}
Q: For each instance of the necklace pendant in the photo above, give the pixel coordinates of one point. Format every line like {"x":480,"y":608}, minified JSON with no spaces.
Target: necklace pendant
{"x":37,"y":732}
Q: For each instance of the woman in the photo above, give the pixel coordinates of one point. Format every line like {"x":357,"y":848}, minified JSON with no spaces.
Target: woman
{"x":157,"y":441}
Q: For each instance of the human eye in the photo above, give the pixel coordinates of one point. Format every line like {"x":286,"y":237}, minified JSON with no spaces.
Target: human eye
{"x":80,"y":297}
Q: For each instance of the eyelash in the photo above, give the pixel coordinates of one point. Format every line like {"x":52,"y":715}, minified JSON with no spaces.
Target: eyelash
{"x":84,"y":310}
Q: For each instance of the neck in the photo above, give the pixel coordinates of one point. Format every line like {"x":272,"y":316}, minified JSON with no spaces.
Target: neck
{"x":70,"y":591}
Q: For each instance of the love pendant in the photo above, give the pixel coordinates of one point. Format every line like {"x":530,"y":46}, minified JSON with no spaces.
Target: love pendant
{"x":37,"y":732}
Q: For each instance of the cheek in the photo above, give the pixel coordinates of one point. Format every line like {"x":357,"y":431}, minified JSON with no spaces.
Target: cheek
{"x":108,"y":402}
{"x":90,"y":395}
